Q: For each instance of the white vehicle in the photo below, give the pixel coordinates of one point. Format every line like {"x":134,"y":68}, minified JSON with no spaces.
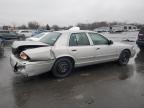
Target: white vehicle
{"x":27,"y":33}
{"x":59,"y":52}
{"x":37,"y":37}
{"x":74,"y":28}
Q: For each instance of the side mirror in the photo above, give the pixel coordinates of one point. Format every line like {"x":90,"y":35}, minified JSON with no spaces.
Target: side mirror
{"x":110,"y":42}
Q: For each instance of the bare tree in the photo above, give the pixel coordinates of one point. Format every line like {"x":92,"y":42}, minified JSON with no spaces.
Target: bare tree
{"x":33,"y":25}
{"x":55,"y":27}
{"x":92,"y":26}
{"x":47,"y":27}
{"x":22,"y":27}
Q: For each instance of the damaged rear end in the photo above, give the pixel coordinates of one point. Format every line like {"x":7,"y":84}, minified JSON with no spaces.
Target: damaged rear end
{"x":31,"y":58}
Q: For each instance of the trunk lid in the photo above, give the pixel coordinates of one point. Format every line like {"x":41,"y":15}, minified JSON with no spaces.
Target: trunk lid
{"x":19,"y":46}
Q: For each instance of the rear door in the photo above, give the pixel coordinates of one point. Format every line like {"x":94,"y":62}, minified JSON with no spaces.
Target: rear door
{"x":80,"y":49}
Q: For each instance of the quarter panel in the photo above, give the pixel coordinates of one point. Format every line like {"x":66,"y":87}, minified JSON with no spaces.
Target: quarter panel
{"x":40,"y":54}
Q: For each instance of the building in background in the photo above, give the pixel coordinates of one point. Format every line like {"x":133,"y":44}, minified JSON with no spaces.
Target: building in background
{"x":122,"y":28}
{"x":117,"y":28}
{"x":10,"y":28}
{"x":102,"y":29}
{"x":1,"y":28}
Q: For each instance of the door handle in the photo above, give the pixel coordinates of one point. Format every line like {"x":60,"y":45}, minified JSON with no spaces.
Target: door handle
{"x":97,"y":48}
{"x":74,"y":50}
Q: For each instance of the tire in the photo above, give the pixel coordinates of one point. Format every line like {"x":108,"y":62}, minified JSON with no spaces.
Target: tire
{"x":62,"y":67}
{"x":124,"y":57}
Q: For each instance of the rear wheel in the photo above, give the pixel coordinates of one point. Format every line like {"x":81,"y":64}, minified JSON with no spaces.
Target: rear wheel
{"x":124,"y":57}
{"x":62,"y":67}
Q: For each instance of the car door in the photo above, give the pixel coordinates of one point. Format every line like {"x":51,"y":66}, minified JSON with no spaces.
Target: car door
{"x":80,"y":49}
{"x":104,"y":50}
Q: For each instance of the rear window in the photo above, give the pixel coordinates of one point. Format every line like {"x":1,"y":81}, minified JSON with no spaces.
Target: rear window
{"x":50,"y":38}
{"x":78,"y":39}
{"x":40,"y":35}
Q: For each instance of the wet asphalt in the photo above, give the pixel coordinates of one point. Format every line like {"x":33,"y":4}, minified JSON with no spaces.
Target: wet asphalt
{"x":105,"y":85}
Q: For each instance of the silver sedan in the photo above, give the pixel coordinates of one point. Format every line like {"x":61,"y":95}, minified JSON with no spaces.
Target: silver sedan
{"x":59,"y":52}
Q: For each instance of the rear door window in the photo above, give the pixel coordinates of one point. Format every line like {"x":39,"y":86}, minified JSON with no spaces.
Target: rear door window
{"x":50,"y":38}
{"x":78,"y":39}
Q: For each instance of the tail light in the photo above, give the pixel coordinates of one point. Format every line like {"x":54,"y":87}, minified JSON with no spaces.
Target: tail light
{"x":24,"y":56}
{"x":141,"y":36}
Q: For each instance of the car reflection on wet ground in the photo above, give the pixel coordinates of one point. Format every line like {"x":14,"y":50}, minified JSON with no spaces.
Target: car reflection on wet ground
{"x":105,"y":85}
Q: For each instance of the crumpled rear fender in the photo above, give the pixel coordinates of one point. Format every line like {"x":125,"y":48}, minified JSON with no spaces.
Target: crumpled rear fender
{"x":40,"y":54}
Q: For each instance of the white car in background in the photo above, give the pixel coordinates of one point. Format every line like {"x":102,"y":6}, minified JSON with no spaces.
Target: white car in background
{"x":26,"y":33}
{"x":59,"y":52}
{"x":37,"y":37}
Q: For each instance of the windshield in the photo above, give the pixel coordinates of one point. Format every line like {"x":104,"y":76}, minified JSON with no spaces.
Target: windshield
{"x":40,"y":35}
{"x":50,"y":38}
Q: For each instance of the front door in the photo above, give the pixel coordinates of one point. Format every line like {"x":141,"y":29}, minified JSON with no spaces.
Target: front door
{"x":104,"y":50}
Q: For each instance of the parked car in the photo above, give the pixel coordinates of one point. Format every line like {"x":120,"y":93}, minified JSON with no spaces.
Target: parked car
{"x":10,"y":35}
{"x":140,"y":40}
{"x":36,"y":32}
{"x":37,"y":37}
{"x":26,"y":33}
{"x":1,"y":47}
{"x":59,"y":52}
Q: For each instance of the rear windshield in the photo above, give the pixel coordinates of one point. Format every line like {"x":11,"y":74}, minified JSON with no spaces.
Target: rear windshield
{"x":40,"y":35}
{"x":50,"y":38}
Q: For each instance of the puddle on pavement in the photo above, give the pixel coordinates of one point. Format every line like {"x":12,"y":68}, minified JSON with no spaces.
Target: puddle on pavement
{"x":133,"y":71}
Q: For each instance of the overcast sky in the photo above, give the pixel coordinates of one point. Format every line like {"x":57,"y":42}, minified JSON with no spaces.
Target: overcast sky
{"x":70,"y":12}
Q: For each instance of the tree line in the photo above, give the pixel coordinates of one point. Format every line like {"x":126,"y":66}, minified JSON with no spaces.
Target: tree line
{"x":83,"y":26}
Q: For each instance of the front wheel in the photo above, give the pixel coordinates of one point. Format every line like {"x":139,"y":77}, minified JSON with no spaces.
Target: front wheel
{"x":62,"y":67}
{"x":124,"y":57}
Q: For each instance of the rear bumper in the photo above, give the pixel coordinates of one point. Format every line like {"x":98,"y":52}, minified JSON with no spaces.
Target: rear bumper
{"x":30,"y":68}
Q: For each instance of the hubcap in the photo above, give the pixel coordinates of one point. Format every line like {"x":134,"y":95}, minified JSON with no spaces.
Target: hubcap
{"x":63,"y":67}
{"x":125,"y":58}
